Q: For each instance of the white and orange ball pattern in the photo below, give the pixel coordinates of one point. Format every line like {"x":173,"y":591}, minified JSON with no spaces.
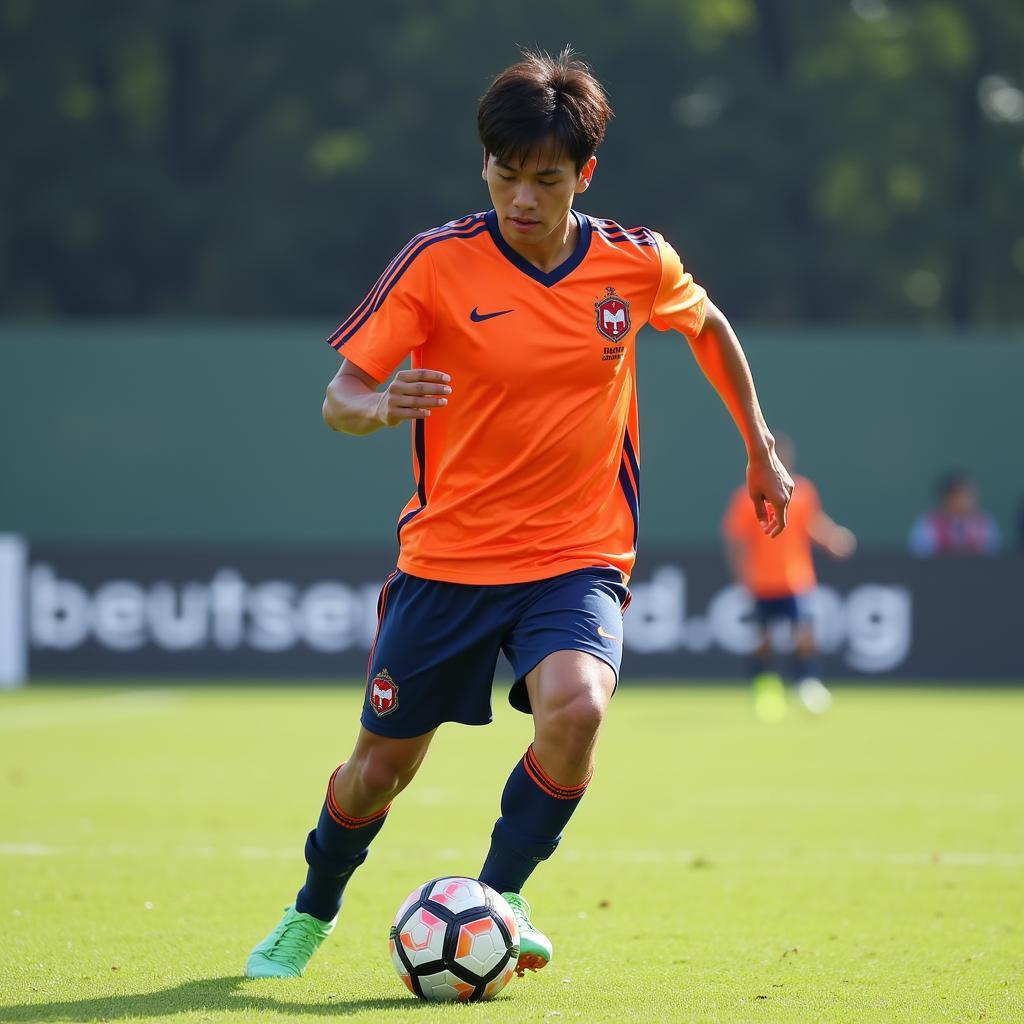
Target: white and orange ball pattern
{"x":454,"y":938}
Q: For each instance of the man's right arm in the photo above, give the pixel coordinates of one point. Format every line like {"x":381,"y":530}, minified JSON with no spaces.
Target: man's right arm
{"x":354,"y":405}
{"x":837,"y":540}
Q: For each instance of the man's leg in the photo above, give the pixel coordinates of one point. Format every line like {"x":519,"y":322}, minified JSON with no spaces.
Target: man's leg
{"x":569,"y":694}
{"x":769,"y":689}
{"x":763,"y":656}
{"x":358,"y":799}
{"x":359,"y":796}
{"x":812,"y":692}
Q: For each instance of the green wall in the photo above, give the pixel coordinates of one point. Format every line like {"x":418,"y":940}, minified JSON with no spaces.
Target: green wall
{"x":211,"y":431}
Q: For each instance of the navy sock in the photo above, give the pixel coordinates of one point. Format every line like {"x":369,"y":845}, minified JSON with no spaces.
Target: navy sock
{"x":760,"y":662}
{"x":334,"y":849}
{"x":534,"y":810}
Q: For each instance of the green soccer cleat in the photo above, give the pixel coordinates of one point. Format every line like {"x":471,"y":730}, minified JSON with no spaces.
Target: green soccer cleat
{"x":534,"y":947}
{"x":285,"y":952}
{"x":769,"y":697}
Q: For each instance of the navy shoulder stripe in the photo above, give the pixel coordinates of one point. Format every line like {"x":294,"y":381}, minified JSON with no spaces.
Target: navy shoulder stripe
{"x":464,"y":227}
{"x":613,"y":232}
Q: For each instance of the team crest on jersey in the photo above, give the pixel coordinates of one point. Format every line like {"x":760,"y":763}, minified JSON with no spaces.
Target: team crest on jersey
{"x":383,"y":693}
{"x":613,"y":320}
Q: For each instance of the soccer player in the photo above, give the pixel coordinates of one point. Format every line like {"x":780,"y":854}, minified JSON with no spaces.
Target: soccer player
{"x":521,"y":323}
{"x":780,"y":575}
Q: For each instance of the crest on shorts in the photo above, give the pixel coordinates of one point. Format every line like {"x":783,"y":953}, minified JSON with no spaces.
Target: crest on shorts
{"x":613,"y":320}
{"x":383,"y":693}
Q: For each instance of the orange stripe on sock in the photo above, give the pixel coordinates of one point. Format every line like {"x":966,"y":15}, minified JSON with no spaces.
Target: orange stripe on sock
{"x":339,"y":817}
{"x":557,"y":794}
{"x":540,"y":782}
{"x":532,"y":755}
{"x":546,"y":783}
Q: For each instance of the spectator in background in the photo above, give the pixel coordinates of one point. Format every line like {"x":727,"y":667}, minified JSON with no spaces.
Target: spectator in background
{"x":779,"y":573}
{"x":957,"y":525}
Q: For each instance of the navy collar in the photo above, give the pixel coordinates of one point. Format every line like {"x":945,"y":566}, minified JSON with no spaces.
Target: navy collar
{"x":561,"y":271}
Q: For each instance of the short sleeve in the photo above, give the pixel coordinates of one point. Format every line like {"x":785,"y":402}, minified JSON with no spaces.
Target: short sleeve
{"x":680,"y":301}
{"x":396,"y":317}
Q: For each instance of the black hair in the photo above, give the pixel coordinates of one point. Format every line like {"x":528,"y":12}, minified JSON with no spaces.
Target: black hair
{"x":544,"y":101}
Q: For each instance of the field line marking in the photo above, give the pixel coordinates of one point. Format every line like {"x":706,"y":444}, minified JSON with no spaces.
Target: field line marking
{"x":25,"y":850}
{"x":953,"y":858}
{"x":105,"y":707}
{"x":191,"y":852}
{"x":194,"y":851}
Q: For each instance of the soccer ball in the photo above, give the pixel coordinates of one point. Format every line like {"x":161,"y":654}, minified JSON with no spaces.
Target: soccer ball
{"x":455,"y":938}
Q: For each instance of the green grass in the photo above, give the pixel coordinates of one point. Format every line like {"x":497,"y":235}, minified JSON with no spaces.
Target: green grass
{"x":864,"y":867}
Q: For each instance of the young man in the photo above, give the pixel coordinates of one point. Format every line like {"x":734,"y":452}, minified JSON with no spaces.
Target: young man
{"x":521,"y":323}
{"x":780,"y":575}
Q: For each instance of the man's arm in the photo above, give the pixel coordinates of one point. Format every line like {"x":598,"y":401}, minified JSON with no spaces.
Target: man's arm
{"x":837,"y":540}
{"x":354,"y":405}
{"x":719,"y":355}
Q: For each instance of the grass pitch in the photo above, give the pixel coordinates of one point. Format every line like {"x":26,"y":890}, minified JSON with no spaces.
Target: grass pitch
{"x":864,"y":867}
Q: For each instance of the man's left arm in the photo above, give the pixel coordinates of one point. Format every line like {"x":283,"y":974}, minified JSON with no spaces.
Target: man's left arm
{"x":720,"y":356}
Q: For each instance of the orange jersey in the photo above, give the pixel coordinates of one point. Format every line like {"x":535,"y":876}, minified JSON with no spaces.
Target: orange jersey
{"x":533,"y":467}
{"x":781,"y":566}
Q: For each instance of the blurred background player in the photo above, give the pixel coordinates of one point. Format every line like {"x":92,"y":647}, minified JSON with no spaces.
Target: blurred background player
{"x":957,"y":525}
{"x":779,"y":573}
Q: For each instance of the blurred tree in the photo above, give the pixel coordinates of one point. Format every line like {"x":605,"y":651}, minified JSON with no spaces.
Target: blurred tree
{"x":850,"y":161}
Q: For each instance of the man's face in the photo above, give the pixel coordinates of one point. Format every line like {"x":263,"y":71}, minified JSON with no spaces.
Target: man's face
{"x":533,"y":198}
{"x":961,"y":501}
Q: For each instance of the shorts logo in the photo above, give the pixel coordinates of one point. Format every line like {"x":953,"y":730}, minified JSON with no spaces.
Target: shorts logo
{"x":613,"y":320}
{"x":383,"y":693}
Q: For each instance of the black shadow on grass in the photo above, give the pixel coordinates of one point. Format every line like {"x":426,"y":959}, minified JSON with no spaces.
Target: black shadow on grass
{"x":210,"y":994}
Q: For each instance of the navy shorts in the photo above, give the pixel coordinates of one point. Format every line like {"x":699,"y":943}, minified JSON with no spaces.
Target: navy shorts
{"x":437,"y":643}
{"x":791,"y":608}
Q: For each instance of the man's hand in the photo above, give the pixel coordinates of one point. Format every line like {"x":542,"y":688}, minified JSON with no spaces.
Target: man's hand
{"x":354,"y":405}
{"x":412,"y":394}
{"x":842,"y":543}
{"x":770,"y":487}
{"x":837,"y":540}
